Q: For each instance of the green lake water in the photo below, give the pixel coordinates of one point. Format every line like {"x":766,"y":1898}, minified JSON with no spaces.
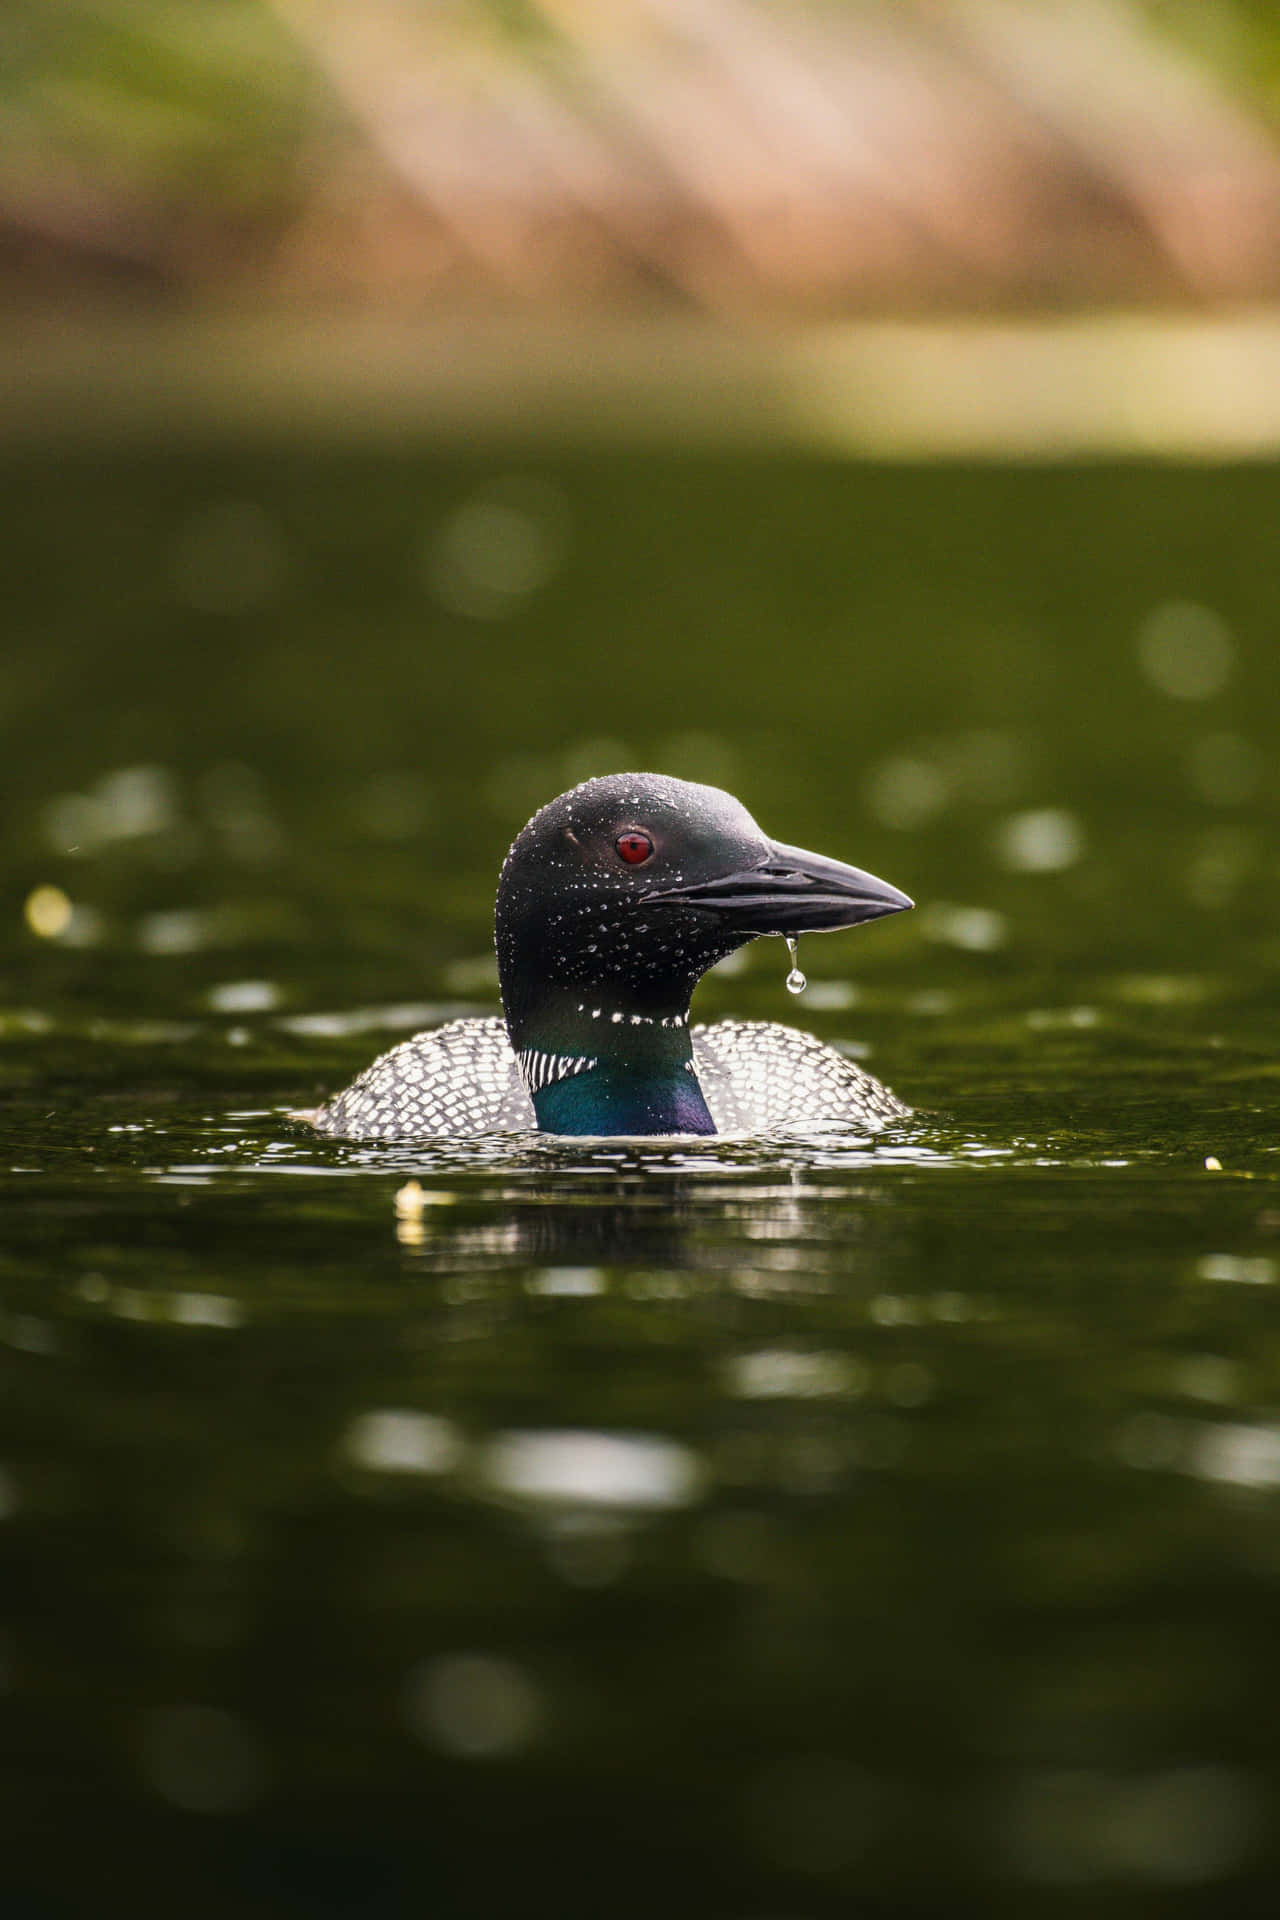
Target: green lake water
{"x":757,"y":1530}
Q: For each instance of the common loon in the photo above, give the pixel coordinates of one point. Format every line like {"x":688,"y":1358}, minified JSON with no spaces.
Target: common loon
{"x":612,"y":903}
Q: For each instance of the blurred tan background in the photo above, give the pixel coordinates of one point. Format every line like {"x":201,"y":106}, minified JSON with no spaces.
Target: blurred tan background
{"x":730,"y":156}
{"x":648,"y":216}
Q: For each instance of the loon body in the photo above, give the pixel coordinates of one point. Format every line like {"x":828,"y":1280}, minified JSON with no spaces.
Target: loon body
{"x":612,"y":903}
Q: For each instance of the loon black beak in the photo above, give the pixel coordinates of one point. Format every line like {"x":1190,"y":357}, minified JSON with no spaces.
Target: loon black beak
{"x":792,"y":891}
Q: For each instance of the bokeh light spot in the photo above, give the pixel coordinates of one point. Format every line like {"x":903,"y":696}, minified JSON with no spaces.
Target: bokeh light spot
{"x":1244,"y":1455}
{"x":1042,"y":840}
{"x":498,"y":548}
{"x":594,"y":1469}
{"x":972,"y":929}
{"x":243,"y":996}
{"x":1237,"y":1269}
{"x":906,"y":792}
{"x":780,"y":1373}
{"x":474,"y":1705}
{"x":394,"y":1440}
{"x":47,"y":911}
{"x":1185,"y":650}
{"x":568,"y":1283}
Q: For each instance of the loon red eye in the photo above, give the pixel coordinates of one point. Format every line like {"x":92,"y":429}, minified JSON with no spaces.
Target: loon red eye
{"x":634,"y":847}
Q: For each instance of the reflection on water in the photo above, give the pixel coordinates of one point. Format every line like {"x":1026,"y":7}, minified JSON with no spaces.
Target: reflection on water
{"x":793,"y":1500}
{"x":793,"y":1527}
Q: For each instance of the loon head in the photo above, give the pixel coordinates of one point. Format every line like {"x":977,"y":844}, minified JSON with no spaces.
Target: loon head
{"x":613,"y":902}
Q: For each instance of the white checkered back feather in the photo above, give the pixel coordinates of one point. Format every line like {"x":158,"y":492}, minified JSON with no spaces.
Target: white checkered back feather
{"x":463,"y":1079}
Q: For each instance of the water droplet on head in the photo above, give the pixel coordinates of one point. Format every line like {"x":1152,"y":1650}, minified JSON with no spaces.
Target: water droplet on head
{"x":796,"y":982}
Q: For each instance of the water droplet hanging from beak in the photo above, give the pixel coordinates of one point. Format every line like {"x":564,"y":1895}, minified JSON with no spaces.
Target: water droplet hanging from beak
{"x":796,"y":982}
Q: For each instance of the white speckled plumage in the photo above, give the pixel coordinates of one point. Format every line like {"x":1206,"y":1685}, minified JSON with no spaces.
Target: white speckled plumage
{"x":463,"y":1079}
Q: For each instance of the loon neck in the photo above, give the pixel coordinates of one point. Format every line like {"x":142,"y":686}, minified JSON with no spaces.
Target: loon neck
{"x":593,"y":1068}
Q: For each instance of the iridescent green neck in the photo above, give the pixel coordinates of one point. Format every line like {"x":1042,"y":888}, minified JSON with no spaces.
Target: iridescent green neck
{"x":596,"y":1069}
{"x":610,"y":1101}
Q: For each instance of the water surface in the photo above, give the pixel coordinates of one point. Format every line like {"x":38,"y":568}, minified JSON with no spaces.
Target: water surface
{"x":754,"y":1528}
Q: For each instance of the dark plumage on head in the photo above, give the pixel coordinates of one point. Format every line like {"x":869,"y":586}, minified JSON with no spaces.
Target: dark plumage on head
{"x":630,"y":886}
